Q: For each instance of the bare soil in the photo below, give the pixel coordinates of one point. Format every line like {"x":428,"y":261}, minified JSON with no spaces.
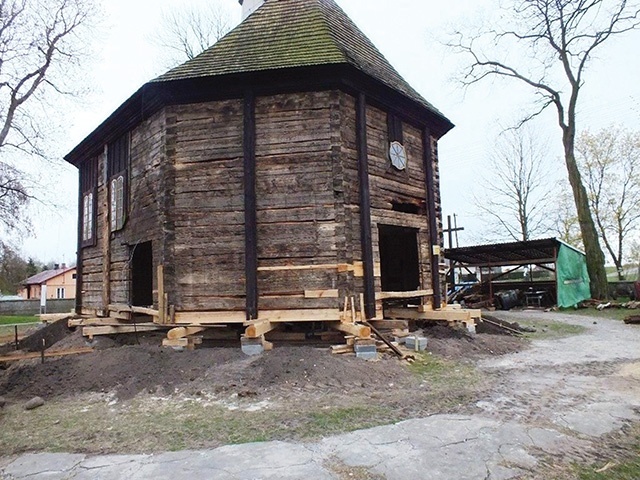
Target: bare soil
{"x":144,"y":367}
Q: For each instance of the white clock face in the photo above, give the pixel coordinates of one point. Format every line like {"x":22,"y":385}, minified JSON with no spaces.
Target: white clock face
{"x":398,"y":155}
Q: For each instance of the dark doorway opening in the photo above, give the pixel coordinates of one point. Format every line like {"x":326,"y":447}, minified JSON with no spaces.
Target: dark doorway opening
{"x":142,"y":275}
{"x":399,"y":260}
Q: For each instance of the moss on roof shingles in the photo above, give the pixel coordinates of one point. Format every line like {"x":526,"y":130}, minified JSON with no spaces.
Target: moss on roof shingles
{"x":294,"y":33}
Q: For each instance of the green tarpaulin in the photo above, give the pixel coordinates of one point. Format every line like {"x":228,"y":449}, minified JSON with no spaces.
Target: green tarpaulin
{"x":572,"y":276}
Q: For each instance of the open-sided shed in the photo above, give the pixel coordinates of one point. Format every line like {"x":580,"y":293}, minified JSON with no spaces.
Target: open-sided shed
{"x":568,"y":285}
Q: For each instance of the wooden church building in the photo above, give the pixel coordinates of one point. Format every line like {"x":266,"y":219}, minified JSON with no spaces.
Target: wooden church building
{"x":286,"y":172}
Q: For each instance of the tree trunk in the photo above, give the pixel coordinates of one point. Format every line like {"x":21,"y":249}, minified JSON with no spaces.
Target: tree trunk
{"x":595,"y":257}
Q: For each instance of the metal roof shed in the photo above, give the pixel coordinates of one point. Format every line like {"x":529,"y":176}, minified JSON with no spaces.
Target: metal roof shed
{"x":568,"y":264}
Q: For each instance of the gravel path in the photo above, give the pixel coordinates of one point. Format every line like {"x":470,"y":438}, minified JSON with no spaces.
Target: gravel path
{"x":555,"y":400}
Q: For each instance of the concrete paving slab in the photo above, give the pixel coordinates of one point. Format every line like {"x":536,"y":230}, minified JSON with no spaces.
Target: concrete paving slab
{"x":42,"y":465}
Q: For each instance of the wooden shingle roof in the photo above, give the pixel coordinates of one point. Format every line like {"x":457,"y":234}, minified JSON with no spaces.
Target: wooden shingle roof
{"x":290,"y":34}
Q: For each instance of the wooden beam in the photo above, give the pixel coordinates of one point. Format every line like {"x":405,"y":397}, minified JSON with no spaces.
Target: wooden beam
{"x":355,"y":329}
{"x":259,"y":328}
{"x":274,"y":316}
{"x":250,"y":215}
{"x":98,"y":321}
{"x":112,"y":329}
{"x":365,"y":206}
{"x":209,"y":318}
{"x":324,"y":266}
{"x":434,"y":235}
{"x":315,"y":315}
{"x":181,"y":332}
{"x":451,"y":315}
{"x":321,"y":293}
{"x":411,"y":294}
{"x":126,"y":308}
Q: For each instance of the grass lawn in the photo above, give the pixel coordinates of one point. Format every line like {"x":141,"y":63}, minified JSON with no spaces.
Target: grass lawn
{"x":13,"y":319}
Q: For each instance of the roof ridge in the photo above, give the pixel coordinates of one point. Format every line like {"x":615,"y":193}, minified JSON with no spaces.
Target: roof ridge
{"x":284,"y":34}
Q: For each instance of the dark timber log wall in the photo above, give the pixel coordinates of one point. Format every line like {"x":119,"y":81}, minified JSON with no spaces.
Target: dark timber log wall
{"x":208,"y":256}
{"x":187,"y":197}
{"x":296,"y":199}
{"x":387,"y":186}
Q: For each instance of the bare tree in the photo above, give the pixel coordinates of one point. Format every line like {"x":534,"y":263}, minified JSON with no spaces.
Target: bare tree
{"x":609,"y":161}
{"x":547,"y":45}
{"x":516,"y":193}
{"x":40,"y":46}
{"x":187,"y":31}
{"x":565,"y":218}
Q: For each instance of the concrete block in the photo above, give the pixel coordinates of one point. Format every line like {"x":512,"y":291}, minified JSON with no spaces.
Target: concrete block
{"x":367,"y":355}
{"x":366,"y":352}
{"x":251,"y":346}
{"x":411,"y":342}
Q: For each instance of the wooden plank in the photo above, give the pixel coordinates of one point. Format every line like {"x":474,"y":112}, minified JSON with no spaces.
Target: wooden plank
{"x":96,"y":321}
{"x":30,"y":355}
{"x":209,"y":318}
{"x":321,"y":293}
{"x":181,"y":332}
{"x":126,"y":308}
{"x":341,"y":349}
{"x":112,"y":329}
{"x":189,"y":343}
{"x":451,"y":315}
{"x":315,"y":315}
{"x":410,"y":294}
{"x":258,"y":328}
{"x":325,"y":266}
{"x":358,"y":269}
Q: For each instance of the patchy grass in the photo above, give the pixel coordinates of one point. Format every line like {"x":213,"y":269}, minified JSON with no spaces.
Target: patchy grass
{"x":440,"y":373}
{"x":607,"y":313}
{"x":550,"y":329}
{"x":8,"y":322}
{"x":149,"y":425}
{"x":628,"y":470}
{"x":625,"y":464}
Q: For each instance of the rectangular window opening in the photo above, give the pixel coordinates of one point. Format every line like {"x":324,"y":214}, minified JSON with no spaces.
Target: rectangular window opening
{"x":117,"y":171}
{"x":88,"y":188}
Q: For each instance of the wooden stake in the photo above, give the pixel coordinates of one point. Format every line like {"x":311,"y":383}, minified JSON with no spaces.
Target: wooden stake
{"x":161,"y":295}
{"x":353,"y":309}
{"x":344,"y":310}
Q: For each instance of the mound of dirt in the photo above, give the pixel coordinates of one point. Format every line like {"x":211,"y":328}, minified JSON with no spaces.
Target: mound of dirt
{"x":127,"y":370}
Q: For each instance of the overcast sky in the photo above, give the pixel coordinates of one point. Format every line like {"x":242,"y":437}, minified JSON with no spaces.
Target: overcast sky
{"x":408,"y":33}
